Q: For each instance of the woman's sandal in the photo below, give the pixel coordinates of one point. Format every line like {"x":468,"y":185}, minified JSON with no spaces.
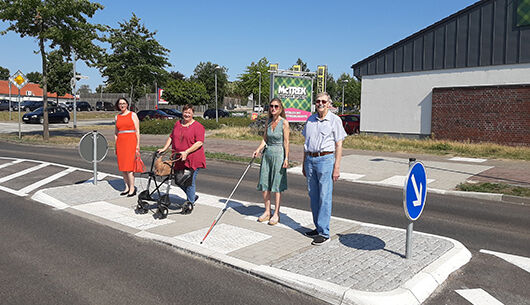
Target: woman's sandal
{"x":273,"y":222}
{"x":264,"y":218}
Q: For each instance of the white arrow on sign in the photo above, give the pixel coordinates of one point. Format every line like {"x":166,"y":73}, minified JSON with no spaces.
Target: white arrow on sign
{"x":417,"y":202}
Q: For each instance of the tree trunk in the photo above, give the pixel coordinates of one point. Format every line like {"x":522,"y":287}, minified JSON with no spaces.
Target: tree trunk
{"x":45,"y":129}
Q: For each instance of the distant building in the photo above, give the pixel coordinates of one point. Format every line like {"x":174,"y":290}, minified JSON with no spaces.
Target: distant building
{"x":30,"y":92}
{"x":466,"y":77}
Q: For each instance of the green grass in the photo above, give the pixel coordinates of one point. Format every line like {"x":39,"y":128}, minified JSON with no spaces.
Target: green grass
{"x":500,"y":188}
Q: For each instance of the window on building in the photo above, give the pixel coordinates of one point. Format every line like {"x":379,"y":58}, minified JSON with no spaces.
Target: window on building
{"x":522,"y":13}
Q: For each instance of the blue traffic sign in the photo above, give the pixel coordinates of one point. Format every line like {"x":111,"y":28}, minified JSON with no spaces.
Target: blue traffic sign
{"x":415,"y":191}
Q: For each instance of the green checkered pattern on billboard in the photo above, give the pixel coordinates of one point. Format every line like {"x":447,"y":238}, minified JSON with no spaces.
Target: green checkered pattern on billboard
{"x":285,"y":81}
{"x":523,"y":13}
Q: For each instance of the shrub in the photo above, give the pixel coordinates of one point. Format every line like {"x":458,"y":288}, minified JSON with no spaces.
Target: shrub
{"x":166,"y":126}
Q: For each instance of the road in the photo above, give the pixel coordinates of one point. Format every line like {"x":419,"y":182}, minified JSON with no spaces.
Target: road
{"x":478,"y":224}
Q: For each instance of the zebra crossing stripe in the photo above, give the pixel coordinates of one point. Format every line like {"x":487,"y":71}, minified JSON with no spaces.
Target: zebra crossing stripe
{"x":520,"y":261}
{"x":42,"y":182}
{"x":10,"y":163}
{"x":23,"y":172}
{"x":478,"y":297}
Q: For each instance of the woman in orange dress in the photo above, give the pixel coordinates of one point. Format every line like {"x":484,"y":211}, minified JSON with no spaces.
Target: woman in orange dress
{"x":127,"y":139}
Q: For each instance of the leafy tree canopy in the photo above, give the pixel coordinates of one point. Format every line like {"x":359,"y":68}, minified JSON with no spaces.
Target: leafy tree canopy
{"x":176,"y":75}
{"x":303,"y":65}
{"x":181,"y":92}
{"x":56,"y":24}
{"x":60,"y":73}
{"x":249,"y":81}
{"x":137,"y":61}
{"x":205,"y":73}
{"x":34,"y":77}
{"x":4,"y":73}
{"x":352,"y":91}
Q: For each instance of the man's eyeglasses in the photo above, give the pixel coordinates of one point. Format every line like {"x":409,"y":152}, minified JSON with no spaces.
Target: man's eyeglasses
{"x":274,"y":106}
{"x":321,"y":102}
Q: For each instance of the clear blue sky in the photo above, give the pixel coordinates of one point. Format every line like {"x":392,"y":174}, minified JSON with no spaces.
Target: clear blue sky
{"x":235,"y":33}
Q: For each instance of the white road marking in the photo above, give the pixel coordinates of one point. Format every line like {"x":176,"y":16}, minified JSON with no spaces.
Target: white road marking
{"x":520,"y":261}
{"x":14,"y":192}
{"x":475,"y":160}
{"x":478,"y":297}
{"x":23,"y":172}
{"x":343,"y":176}
{"x":121,"y":215}
{"x":399,"y":180}
{"x":225,"y":238}
{"x":42,"y":182}
{"x":10,"y":163}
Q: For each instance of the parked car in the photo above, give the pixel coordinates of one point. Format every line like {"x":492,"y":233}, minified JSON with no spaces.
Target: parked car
{"x":4,"y":105}
{"x":55,"y":115}
{"x":154,"y":115}
{"x":105,"y":106}
{"x":351,"y":123}
{"x":173,"y":112}
{"x":28,"y":105}
{"x":80,"y":106}
{"x":210,"y":113}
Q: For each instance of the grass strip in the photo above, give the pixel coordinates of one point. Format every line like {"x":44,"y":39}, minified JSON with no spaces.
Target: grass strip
{"x":499,"y":188}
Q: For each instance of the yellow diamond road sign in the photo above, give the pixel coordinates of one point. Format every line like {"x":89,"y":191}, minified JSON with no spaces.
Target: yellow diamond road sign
{"x":19,"y":79}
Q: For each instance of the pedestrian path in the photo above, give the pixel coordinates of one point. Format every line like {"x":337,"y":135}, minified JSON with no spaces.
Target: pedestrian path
{"x":362,"y":264}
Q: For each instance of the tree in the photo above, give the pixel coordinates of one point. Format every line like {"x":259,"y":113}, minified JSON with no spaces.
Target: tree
{"x":205,"y":73}
{"x":60,"y":73}
{"x":137,"y":62}
{"x":249,"y":81}
{"x":34,"y":77}
{"x":4,"y":73}
{"x":181,"y":92}
{"x":176,"y":75}
{"x":352,"y":91}
{"x":303,"y":65}
{"x":58,"y":24}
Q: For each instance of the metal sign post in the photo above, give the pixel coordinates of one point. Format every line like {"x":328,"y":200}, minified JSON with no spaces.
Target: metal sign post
{"x":20,"y":80}
{"x":93,"y":147}
{"x":414,"y":195}
{"x":9,"y":99}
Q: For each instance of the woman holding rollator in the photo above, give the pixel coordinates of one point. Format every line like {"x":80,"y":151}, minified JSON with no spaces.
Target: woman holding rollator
{"x":274,"y":161}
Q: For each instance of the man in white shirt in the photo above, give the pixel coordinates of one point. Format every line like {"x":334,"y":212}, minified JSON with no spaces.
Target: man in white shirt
{"x":323,"y":134}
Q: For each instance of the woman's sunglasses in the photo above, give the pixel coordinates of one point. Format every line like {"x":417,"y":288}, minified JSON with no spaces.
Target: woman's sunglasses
{"x":274,"y":106}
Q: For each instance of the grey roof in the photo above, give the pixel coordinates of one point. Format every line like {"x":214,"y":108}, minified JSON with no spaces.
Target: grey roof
{"x":482,"y":34}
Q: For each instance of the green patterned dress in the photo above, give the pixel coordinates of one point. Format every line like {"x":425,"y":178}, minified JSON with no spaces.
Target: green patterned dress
{"x":272,"y":176}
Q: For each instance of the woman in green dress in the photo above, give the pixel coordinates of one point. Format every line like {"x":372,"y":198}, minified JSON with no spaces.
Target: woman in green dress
{"x":274,"y":160}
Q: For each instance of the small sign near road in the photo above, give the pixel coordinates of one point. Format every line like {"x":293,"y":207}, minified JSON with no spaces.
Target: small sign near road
{"x":415,"y":191}
{"x":93,"y":147}
{"x":19,"y":79}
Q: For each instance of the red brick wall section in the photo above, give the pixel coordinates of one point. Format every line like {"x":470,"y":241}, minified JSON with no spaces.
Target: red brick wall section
{"x":499,"y":114}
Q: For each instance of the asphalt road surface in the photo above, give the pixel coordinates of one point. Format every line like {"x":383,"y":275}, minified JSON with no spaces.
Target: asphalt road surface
{"x":69,"y":259}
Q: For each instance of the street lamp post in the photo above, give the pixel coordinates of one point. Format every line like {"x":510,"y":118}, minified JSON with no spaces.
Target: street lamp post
{"x":216,"y":109}
{"x":343,"y":84}
{"x":259,"y":95}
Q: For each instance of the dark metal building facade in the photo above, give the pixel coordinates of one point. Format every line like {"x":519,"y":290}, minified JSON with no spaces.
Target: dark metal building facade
{"x":484,"y":34}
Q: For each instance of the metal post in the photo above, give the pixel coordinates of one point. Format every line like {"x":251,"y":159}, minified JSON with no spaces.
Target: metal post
{"x":408,"y":248}
{"x":342,"y":98}
{"x":9,"y":82}
{"x":19,"y":127}
{"x":259,"y":96}
{"x":216,"y":109}
{"x":408,"y":251}
{"x":74,"y":81}
{"x":95,"y":136}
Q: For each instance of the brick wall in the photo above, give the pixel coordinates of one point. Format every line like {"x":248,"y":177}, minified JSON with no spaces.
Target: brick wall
{"x":499,"y":114}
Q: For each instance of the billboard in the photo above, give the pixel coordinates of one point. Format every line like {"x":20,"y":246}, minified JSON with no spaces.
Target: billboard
{"x":296,"y":93}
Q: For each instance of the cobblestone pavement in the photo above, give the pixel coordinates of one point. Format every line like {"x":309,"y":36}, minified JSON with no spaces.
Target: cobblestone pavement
{"x":367,"y":259}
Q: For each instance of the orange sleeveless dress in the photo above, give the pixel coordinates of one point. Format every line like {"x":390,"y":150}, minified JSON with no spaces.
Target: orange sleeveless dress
{"x":126,"y":142}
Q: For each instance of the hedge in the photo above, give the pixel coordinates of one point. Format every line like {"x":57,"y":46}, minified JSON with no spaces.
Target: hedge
{"x":166,"y":126}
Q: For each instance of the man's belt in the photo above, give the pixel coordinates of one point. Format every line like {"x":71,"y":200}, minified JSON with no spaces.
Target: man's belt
{"x":319,"y":154}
